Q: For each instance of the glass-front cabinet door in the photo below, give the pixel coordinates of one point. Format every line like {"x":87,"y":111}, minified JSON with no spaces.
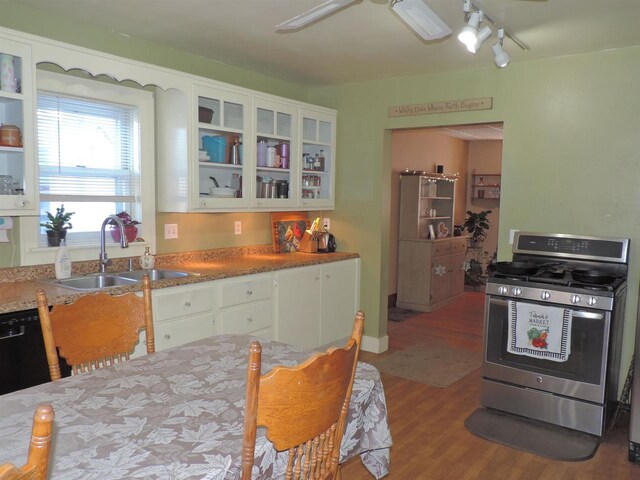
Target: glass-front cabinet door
{"x":221,"y":150}
{"x":275,"y":148}
{"x":316,"y":160}
{"x":17,"y":164}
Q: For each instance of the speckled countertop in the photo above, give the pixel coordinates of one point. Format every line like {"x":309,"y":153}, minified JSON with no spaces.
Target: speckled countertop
{"x":18,"y":286}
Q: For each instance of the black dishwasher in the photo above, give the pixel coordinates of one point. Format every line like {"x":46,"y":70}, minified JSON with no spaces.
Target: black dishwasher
{"x":23,"y":361}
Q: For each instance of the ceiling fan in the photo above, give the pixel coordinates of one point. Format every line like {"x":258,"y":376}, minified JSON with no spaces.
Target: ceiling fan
{"x":415,"y":13}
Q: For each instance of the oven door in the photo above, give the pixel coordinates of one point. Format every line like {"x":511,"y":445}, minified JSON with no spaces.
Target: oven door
{"x":582,"y":376}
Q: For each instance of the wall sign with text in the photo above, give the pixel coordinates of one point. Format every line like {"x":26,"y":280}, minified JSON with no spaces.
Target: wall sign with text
{"x":442,"y":107}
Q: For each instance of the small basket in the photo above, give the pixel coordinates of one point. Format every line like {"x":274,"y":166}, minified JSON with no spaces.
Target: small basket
{"x":205,"y":115}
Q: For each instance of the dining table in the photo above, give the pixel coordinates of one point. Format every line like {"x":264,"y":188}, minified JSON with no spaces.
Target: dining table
{"x":178,"y":414}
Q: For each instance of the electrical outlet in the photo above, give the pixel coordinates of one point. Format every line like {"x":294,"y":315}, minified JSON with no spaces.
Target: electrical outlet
{"x":170,"y":231}
{"x":326,"y":221}
{"x":237,"y":227}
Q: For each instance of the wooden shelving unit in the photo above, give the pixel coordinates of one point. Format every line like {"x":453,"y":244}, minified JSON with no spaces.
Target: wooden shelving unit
{"x":485,"y":186}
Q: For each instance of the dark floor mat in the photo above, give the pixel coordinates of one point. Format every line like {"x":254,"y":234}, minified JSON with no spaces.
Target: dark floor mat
{"x":397,"y":314}
{"x":540,"y":438}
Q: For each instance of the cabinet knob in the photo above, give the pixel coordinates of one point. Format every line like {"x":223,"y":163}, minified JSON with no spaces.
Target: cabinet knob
{"x":167,"y":336}
{"x":249,"y":320}
{"x":187,"y":304}
{"x":21,"y":203}
{"x":249,"y":292}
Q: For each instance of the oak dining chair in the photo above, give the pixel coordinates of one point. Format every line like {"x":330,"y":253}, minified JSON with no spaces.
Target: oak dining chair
{"x":96,"y":330}
{"x":303,"y":408}
{"x":39,"y":446}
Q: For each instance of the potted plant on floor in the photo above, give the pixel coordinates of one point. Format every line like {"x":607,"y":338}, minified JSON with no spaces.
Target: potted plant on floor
{"x":130,"y":229}
{"x":57,"y":226}
{"x":477,"y":225}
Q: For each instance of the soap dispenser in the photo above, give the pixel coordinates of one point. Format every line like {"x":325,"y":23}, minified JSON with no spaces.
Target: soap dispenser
{"x":147,"y":261}
{"x":63,"y":261}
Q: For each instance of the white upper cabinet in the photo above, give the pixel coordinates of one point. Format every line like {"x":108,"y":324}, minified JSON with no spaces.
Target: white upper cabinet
{"x":254,"y":145}
{"x":222,"y":149}
{"x":276,"y":151}
{"x":317,"y":162}
{"x":18,"y":195}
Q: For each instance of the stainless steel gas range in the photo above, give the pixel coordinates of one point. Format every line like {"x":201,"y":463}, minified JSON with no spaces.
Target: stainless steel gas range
{"x":553,"y":329}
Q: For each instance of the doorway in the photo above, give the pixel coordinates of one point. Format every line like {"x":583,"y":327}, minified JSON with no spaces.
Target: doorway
{"x":471,"y":152}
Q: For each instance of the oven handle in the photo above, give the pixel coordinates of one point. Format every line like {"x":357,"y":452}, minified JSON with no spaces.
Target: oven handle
{"x":576,"y":313}
{"x":13,"y":334}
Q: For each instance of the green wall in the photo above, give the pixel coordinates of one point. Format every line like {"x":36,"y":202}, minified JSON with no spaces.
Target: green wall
{"x":570,"y":154}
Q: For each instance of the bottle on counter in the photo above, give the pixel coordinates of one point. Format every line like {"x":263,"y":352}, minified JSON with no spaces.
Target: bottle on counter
{"x":316,"y":162}
{"x":147,"y":261}
{"x":63,"y":261}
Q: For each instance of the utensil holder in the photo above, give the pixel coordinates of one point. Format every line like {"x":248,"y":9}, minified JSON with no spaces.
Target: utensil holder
{"x":307,"y":244}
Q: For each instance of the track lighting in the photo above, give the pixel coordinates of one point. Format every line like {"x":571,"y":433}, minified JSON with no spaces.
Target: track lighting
{"x":500,"y":56}
{"x":469,"y":33}
{"x":472,"y":36}
{"x":483,"y":34}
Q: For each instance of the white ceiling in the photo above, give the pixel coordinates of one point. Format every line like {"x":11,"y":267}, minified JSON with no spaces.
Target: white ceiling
{"x":485,"y":131}
{"x":364,"y":41}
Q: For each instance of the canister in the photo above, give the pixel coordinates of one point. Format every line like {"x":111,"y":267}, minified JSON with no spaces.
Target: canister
{"x":273,"y":189}
{"x":10,"y":136}
{"x":283,"y":188}
{"x":271,"y":156}
{"x":262,"y":153}
{"x":283,"y":149}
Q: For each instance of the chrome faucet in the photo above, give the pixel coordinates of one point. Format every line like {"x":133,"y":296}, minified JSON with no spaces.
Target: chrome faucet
{"x":104,"y":261}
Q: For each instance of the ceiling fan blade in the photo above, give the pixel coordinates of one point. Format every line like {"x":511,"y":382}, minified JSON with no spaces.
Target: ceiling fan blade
{"x":314,"y":14}
{"x":424,"y":21}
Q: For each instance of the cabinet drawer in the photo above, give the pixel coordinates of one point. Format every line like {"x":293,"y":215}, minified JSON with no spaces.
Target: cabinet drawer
{"x":184,"y":302}
{"x":179,"y":332}
{"x":440,"y":248}
{"x":247,"y":318}
{"x":458,"y":245}
{"x":236,"y":293}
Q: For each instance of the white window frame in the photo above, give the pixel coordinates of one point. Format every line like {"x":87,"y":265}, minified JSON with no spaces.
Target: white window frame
{"x":33,"y":254}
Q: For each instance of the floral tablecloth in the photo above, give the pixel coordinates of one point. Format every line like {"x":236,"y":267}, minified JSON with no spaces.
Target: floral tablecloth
{"x":177,"y":414}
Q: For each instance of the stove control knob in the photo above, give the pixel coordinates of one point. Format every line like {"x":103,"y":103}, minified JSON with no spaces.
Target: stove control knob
{"x":575,"y":299}
{"x":503,"y":290}
{"x":545,"y":295}
{"x":592,"y":301}
{"x":516,"y":291}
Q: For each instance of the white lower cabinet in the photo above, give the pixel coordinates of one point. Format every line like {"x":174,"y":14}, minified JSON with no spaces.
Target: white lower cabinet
{"x":298,"y":306}
{"x":340,"y":299}
{"x":308,"y":306}
{"x":246,"y":305}
{"x":183,"y":314}
{"x":315,"y":306}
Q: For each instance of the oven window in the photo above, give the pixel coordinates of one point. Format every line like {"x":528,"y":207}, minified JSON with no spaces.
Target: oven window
{"x":588,"y":337}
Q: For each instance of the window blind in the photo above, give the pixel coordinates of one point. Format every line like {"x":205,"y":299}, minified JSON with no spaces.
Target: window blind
{"x":88,"y":154}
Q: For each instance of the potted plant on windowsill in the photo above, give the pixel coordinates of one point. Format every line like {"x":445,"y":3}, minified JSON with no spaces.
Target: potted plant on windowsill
{"x":477,"y":225}
{"x":130,"y":229}
{"x":57,"y":226}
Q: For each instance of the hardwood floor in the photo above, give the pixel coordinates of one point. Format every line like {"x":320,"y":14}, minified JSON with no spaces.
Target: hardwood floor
{"x":427,"y":423}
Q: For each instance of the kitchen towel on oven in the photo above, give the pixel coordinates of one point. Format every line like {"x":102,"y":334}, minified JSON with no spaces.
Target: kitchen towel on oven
{"x":539,"y":331}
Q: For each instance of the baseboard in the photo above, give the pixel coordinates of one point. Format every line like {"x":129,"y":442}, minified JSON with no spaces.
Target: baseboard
{"x":375,"y":345}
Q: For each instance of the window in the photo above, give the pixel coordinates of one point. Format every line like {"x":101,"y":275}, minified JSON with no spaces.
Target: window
{"x":95,"y":142}
{"x":88,"y":160}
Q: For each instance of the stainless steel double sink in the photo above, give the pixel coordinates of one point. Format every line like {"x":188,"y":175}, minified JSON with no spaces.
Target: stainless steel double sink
{"x":97,"y":281}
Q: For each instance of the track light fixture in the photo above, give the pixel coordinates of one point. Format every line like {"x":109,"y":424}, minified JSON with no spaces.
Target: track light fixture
{"x":500,"y":56}
{"x":473,"y":34}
